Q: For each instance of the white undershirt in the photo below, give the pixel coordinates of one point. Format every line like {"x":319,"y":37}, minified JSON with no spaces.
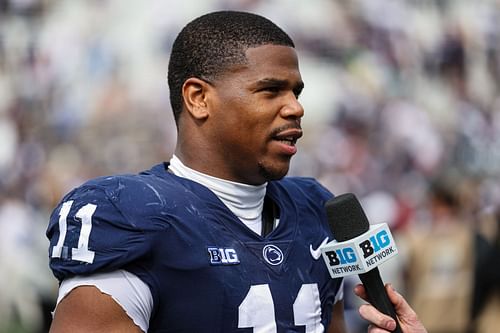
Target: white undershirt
{"x":245,"y":201}
{"x":130,"y":292}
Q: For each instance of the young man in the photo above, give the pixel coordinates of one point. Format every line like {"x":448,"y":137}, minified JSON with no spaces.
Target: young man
{"x":216,"y":240}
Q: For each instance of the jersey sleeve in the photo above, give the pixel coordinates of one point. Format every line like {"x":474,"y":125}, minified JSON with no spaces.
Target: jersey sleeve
{"x":89,"y":232}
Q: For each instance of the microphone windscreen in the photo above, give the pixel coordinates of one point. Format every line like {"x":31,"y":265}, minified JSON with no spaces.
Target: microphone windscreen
{"x":346,"y":217}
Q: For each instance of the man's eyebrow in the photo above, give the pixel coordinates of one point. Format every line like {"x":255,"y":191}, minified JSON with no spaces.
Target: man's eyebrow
{"x":280,"y":83}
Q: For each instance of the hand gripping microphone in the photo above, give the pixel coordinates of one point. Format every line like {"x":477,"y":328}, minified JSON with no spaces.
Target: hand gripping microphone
{"x":359,"y":248}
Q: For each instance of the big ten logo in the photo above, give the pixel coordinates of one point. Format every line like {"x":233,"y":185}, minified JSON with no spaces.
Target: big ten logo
{"x":341,"y":256}
{"x":223,"y":256}
{"x":375,"y":243}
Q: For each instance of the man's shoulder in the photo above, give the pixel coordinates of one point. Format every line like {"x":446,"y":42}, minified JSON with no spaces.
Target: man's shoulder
{"x":140,"y":194}
{"x":300,"y":180}
{"x":308,"y":186}
{"x":109,"y":221}
{"x":129,"y":184}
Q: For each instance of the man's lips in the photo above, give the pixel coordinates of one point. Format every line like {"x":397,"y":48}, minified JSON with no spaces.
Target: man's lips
{"x":287,"y":138}
{"x":290,"y":135}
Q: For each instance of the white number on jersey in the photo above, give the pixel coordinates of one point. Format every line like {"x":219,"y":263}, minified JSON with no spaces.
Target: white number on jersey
{"x":257,"y":309}
{"x":84,"y":215}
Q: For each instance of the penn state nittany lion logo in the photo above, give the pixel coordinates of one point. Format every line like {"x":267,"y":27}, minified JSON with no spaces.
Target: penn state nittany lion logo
{"x":272,"y":254}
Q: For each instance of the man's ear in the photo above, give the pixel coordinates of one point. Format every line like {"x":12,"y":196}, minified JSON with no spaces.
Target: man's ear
{"x":194,"y":93}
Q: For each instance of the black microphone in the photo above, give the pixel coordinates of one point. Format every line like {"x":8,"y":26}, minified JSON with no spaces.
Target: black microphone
{"x":347,"y":221}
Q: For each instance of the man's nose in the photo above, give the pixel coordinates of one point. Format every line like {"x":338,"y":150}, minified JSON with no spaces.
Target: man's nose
{"x":292,"y":108}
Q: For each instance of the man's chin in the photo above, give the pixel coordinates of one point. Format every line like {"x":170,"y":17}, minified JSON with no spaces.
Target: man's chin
{"x":274,"y":172}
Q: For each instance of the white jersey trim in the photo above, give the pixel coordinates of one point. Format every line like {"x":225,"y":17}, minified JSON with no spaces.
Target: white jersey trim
{"x":130,"y":292}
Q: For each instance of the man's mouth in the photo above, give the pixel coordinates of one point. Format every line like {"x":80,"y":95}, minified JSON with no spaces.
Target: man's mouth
{"x":288,"y":141}
{"x":288,"y":136}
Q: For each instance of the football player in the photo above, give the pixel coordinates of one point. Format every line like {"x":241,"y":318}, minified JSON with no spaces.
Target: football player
{"x":217,"y":239}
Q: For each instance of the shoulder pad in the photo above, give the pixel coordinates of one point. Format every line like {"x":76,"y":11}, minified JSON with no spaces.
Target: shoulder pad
{"x":90,"y":230}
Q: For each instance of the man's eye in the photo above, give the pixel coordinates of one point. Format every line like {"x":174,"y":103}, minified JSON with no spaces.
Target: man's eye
{"x":273,"y":90}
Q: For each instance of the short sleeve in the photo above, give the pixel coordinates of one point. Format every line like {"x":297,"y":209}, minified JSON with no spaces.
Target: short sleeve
{"x":129,"y":291}
{"x":88,"y":233}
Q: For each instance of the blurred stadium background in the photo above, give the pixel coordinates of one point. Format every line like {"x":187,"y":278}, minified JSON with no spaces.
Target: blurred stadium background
{"x":402,"y":108}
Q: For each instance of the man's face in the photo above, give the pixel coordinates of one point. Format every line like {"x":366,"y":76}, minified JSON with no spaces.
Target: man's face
{"x":256,"y":115}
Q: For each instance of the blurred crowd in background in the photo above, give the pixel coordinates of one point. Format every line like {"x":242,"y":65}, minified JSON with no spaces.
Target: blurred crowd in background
{"x":402,"y":105}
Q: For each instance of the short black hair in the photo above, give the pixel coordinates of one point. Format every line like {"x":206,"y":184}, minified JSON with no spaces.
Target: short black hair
{"x":206,"y":46}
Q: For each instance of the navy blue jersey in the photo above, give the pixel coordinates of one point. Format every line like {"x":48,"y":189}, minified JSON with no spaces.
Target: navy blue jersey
{"x":206,"y":270}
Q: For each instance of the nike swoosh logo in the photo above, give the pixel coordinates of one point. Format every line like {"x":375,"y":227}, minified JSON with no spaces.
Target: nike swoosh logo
{"x":316,"y":253}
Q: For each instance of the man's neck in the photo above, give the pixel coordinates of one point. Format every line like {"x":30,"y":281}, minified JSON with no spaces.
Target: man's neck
{"x":245,"y":201}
